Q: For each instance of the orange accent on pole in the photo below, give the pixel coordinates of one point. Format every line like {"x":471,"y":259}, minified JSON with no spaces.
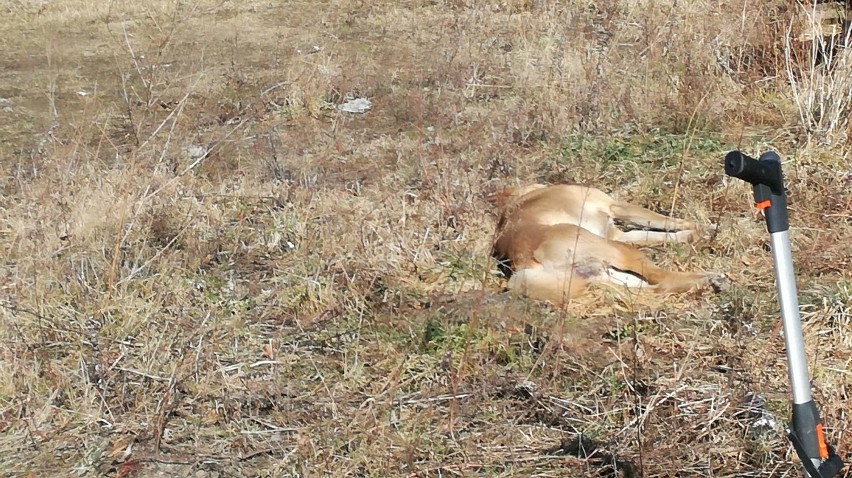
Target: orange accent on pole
{"x":763,"y":204}
{"x":823,"y":447}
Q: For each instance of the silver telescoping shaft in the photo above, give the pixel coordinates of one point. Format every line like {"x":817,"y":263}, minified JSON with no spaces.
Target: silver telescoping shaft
{"x":789,"y":302}
{"x":788,"y":299}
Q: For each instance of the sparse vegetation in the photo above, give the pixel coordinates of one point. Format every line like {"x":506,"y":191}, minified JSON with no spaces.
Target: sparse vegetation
{"x":208,"y":270}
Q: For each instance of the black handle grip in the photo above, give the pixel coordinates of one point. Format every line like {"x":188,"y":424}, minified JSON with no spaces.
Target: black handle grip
{"x":767,"y":181}
{"x":766,"y":171}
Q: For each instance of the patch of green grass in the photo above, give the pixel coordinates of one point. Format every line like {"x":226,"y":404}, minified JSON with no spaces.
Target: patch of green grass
{"x":654,"y":150}
{"x":631,"y":156}
{"x":442,"y":337}
{"x":632,"y":328}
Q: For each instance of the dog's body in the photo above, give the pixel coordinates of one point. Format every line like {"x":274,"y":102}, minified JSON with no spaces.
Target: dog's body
{"x":558,"y":239}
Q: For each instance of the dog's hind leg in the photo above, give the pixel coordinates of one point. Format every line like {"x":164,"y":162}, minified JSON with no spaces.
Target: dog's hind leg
{"x":626,"y":258}
{"x":643,"y":217}
{"x":641,"y":237}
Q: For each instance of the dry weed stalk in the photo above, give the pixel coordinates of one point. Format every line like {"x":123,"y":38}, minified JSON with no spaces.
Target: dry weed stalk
{"x":821,"y":83}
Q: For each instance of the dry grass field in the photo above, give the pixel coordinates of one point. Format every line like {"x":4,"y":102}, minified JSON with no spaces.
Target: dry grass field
{"x":209,"y":270}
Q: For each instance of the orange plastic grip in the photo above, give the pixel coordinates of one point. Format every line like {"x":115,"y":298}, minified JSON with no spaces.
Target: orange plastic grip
{"x":763,"y":204}
{"x":823,"y":446}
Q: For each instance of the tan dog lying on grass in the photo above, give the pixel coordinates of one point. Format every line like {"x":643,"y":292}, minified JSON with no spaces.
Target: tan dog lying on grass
{"x":553,"y":241}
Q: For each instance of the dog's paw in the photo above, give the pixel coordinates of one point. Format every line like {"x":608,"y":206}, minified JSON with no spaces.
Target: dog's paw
{"x":718,"y":281}
{"x":709,"y":231}
{"x":699,"y":234}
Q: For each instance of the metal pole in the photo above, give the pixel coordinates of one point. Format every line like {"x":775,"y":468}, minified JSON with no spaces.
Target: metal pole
{"x":788,"y":300}
{"x":797,"y":366}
